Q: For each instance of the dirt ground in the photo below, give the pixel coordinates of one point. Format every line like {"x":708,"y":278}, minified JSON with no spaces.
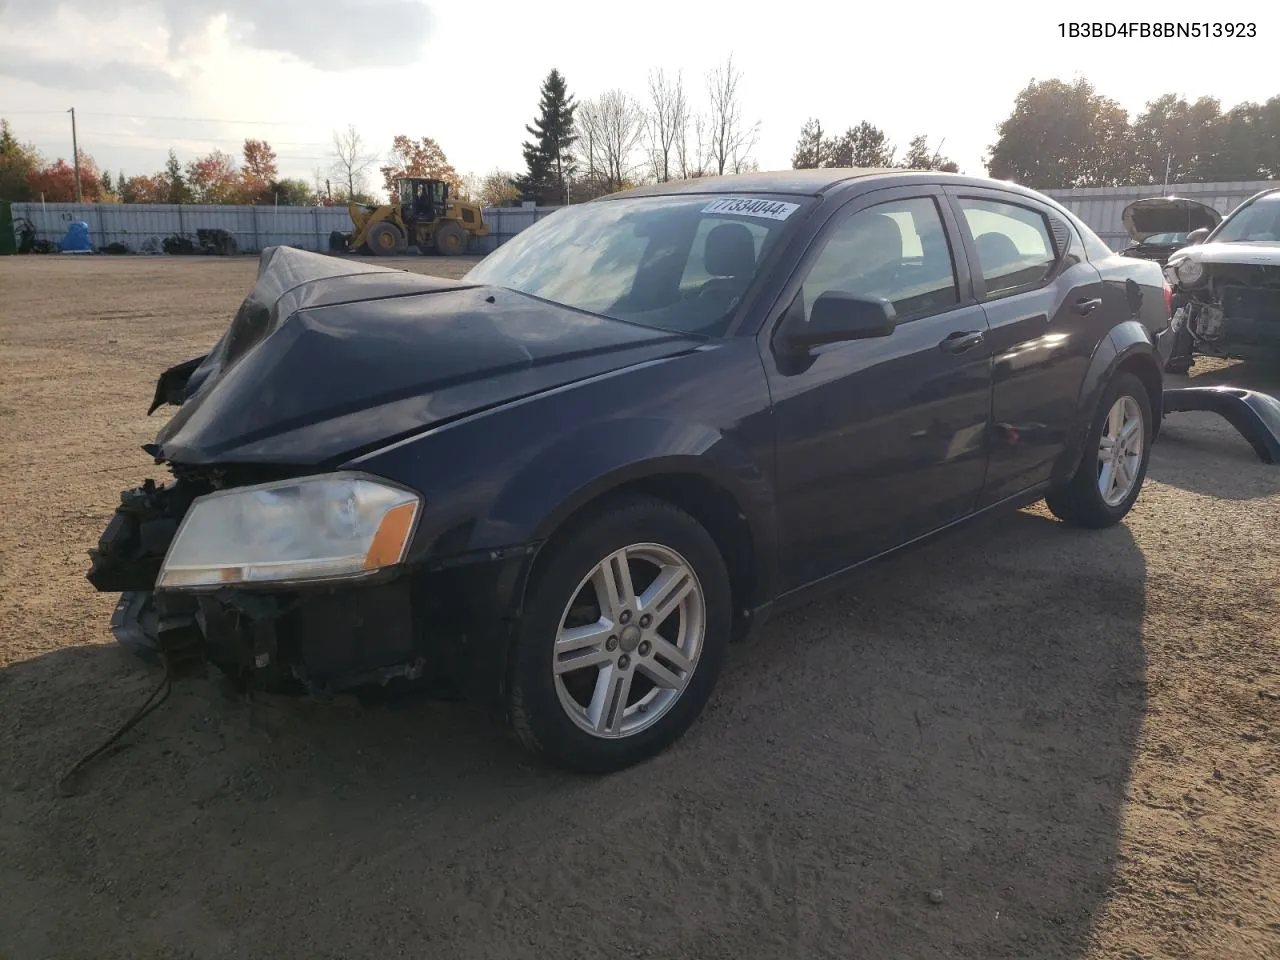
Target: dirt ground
{"x":1020,"y":741}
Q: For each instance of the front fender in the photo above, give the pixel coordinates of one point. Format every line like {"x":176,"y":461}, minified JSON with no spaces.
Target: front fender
{"x":1125,"y":341}
{"x":603,"y":456}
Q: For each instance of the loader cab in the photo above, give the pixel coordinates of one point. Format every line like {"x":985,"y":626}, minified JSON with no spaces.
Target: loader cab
{"x":422,"y":200}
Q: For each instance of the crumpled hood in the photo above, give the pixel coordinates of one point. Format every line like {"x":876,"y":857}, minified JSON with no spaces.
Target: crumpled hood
{"x":327,"y":357}
{"x":1151,"y":215}
{"x":1236,"y":251}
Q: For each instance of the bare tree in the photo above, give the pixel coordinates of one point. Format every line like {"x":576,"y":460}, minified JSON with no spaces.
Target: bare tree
{"x":609,"y":129}
{"x":730,"y":138}
{"x":691,"y":145}
{"x":351,"y":160}
{"x":665,"y":121}
{"x":471,"y":184}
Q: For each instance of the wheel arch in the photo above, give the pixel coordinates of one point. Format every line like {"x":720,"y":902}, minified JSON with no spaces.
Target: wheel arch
{"x":688,"y":485}
{"x":1130,"y":348}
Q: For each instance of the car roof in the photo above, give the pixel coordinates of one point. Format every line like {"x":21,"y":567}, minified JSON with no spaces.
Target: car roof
{"x":808,"y":182}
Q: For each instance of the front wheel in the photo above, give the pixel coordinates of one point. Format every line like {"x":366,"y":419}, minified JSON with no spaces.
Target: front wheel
{"x":450,"y":240}
{"x":1117,"y":450}
{"x":623,"y":640}
{"x":385,"y":239}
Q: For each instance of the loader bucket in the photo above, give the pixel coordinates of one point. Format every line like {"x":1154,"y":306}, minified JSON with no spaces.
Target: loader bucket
{"x":1255,"y":415}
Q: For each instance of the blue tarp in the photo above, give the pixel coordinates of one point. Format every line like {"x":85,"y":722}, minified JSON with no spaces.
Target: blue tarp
{"x":77,"y":239}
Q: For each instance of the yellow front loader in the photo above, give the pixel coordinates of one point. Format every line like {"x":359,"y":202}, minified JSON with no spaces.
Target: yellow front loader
{"x":425,"y":217}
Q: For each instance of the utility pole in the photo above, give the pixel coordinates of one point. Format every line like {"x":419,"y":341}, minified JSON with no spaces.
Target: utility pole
{"x":75,"y":155}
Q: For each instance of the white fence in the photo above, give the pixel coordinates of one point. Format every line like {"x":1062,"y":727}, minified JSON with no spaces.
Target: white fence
{"x":143,"y":227}
{"x":1102,"y":207}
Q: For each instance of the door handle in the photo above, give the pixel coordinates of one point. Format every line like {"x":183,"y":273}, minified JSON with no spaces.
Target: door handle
{"x":960,"y":341}
{"x":1087,"y":304}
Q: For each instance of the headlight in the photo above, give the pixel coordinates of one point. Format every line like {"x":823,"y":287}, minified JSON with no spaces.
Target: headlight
{"x":1190,"y":271}
{"x":314,"y":528}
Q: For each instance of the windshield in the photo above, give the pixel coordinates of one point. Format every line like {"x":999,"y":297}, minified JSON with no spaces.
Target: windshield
{"x":677,"y":263}
{"x":1259,"y":222}
{"x":1159,"y":238}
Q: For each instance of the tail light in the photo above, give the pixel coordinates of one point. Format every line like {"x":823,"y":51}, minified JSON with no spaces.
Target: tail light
{"x":1168,"y":299}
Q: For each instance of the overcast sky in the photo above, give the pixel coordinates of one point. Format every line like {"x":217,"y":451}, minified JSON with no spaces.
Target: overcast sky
{"x":467,"y":74}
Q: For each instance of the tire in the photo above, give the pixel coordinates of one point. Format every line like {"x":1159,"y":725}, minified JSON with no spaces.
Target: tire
{"x":1081,"y":501}
{"x":450,"y":240}
{"x":385,"y":240}
{"x":552,"y":711}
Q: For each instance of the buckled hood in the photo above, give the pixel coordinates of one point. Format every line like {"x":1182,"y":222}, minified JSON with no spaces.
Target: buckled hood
{"x":327,"y":357}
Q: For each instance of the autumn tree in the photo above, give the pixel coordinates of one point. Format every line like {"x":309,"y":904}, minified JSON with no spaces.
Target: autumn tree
{"x":497,"y":189}
{"x":144,"y":189}
{"x":1063,"y":135}
{"x":215,"y":179}
{"x":18,"y":163}
{"x":549,"y":158}
{"x":730,"y":139}
{"x":56,"y":182}
{"x":260,"y":161}
{"x":812,"y":148}
{"x":418,"y":158}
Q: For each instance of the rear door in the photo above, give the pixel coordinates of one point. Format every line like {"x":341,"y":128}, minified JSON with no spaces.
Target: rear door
{"x":1046,"y":311}
{"x":881,"y":440}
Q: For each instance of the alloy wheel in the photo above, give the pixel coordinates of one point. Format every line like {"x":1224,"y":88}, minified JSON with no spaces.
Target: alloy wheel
{"x":629,"y":640}
{"x":1120,"y":451}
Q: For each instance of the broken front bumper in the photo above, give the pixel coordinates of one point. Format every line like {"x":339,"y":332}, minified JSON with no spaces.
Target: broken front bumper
{"x":1255,"y":415}
{"x":447,"y":624}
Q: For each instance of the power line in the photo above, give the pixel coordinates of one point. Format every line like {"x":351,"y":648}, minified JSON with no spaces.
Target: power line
{"x":145,"y":116}
{"x":105,"y":134}
{"x":140,"y":116}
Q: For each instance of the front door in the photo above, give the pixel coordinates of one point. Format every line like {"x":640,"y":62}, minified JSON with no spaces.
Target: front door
{"x":879,"y":441}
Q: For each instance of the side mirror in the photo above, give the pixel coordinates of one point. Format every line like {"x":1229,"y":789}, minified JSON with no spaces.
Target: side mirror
{"x":840,"y":316}
{"x":1197,"y":236}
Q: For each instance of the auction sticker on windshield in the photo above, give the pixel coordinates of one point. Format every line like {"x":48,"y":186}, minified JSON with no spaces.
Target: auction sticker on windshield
{"x":749,"y":207}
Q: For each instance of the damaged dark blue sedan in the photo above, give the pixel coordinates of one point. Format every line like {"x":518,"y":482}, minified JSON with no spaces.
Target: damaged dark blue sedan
{"x":565,"y":482}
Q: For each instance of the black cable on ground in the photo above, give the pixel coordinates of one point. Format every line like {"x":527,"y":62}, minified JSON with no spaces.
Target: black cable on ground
{"x":65,"y":785}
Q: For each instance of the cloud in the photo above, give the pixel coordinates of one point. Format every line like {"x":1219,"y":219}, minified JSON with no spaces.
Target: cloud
{"x":330,"y":35}
{"x":69,"y":75}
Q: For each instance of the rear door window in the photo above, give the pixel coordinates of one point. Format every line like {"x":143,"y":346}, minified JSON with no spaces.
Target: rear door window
{"x":1014,"y":244}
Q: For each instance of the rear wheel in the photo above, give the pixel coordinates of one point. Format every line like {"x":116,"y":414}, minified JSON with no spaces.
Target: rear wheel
{"x":623,"y":640}
{"x":385,"y":239}
{"x":1117,"y":450}
{"x":451,"y":239}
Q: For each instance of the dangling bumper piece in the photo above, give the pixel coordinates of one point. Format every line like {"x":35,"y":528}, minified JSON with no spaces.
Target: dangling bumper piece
{"x":1255,"y":415}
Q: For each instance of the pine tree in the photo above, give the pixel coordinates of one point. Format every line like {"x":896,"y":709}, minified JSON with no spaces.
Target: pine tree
{"x":549,"y":159}
{"x":812,"y":148}
{"x":179,"y":192}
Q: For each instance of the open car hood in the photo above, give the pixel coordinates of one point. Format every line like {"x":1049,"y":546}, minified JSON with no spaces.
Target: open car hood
{"x":1151,"y":215}
{"x":327,"y":357}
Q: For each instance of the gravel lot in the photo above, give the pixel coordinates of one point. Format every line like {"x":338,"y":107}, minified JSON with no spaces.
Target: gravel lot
{"x":1018,"y":741}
